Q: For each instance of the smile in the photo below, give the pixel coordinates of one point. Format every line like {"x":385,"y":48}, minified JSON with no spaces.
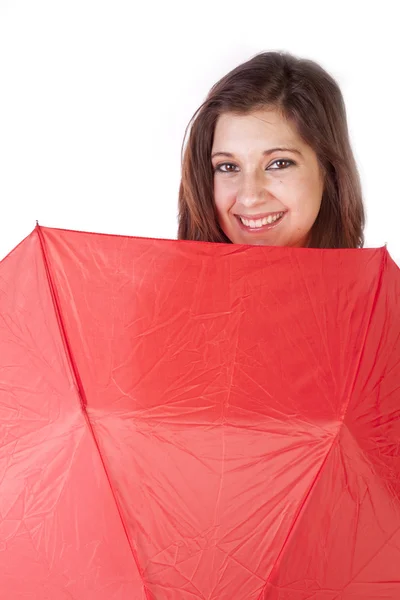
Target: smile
{"x":260,"y":224}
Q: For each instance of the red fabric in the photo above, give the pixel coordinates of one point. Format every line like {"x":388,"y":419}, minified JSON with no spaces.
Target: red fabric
{"x":184,"y":420}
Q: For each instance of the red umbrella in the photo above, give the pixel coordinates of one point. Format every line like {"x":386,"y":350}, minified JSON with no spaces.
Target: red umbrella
{"x":184,"y":420}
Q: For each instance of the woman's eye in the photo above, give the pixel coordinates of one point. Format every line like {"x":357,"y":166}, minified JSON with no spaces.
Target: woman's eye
{"x":282,"y":160}
{"x":218,"y":167}
{"x":276,"y":162}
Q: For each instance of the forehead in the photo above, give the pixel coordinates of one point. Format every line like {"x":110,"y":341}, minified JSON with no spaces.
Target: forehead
{"x":261,"y":124}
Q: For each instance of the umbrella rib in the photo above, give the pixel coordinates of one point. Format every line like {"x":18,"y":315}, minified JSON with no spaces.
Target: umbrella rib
{"x":298,"y":514}
{"x":82,"y":398}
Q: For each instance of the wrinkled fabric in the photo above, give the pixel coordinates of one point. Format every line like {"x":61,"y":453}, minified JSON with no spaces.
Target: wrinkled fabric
{"x":185,"y":420}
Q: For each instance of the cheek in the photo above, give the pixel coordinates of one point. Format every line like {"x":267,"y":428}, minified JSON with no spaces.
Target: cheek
{"x":305,"y":201}
{"x":223,"y":199}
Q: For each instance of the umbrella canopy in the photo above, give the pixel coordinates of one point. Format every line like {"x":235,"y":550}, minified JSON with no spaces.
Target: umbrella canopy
{"x":186,"y":420}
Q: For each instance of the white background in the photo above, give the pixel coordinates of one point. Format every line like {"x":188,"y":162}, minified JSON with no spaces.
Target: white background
{"x":95,"y":96}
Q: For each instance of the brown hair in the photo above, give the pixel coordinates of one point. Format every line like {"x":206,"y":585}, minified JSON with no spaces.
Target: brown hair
{"x":307,"y":96}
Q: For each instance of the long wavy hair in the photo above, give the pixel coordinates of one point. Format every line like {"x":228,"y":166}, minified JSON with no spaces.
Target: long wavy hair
{"x":308,"y":97}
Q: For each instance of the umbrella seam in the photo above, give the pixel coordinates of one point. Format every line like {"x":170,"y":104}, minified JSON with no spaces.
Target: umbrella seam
{"x":82,"y":398}
{"x":374,"y":302}
{"x":343,"y":416}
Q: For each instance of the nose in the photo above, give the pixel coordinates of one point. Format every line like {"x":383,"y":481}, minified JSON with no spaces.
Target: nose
{"x":253,"y":190}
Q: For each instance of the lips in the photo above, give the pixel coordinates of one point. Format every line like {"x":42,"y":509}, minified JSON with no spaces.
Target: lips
{"x":260,"y":216}
{"x":262,"y":228}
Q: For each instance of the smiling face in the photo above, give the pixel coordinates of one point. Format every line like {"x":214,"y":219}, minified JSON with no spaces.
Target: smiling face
{"x":252,"y":180}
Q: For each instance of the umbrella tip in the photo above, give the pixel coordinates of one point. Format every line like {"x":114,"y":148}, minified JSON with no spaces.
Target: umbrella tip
{"x":37,"y":223}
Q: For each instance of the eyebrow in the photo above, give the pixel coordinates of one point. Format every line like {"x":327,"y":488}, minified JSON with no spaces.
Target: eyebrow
{"x":265,"y":153}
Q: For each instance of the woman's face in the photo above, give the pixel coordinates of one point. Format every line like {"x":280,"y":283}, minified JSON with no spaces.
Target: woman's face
{"x":277,"y":192}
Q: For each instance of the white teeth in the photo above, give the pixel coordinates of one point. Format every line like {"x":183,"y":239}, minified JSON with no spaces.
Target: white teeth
{"x":261,"y":222}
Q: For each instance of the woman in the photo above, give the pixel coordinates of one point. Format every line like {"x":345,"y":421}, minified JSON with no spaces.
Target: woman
{"x":269,"y":161}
